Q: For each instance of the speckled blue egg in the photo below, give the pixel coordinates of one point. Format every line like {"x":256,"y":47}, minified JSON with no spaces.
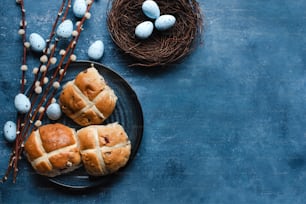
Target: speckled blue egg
{"x":164,"y":22}
{"x":64,"y":30}
{"x":37,"y":42}
{"x":96,"y":50}
{"x":144,"y":29}
{"x":9,"y":131}
{"x":79,"y":8}
{"x":54,"y":111}
{"x":22,"y":103}
{"x":150,"y":9}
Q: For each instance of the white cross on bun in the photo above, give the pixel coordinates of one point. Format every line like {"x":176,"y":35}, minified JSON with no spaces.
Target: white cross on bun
{"x":104,"y":148}
{"x":53,"y":149}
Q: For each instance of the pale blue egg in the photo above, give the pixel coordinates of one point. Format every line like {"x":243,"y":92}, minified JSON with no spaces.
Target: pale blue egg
{"x":144,"y":29}
{"x":54,"y":111}
{"x":79,"y":8}
{"x":96,"y":50}
{"x":37,"y":42}
{"x":150,"y":9}
{"x":10,"y":131}
{"x":22,"y":103}
{"x":164,"y":22}
{"x":65,"y":29}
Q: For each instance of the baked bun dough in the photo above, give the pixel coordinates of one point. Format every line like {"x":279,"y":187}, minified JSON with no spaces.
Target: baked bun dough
{"x":53,"y":149}
{"x":104,"y":148}
{"x":88,"y":100}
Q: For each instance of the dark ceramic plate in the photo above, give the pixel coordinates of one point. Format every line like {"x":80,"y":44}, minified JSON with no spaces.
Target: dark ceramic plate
{"x":128,"y":113}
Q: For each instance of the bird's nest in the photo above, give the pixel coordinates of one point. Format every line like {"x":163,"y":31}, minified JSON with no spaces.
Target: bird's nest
{"x":162,"y":47}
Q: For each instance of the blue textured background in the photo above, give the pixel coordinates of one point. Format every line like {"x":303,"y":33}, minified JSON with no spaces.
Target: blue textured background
{"x":226,"y":125}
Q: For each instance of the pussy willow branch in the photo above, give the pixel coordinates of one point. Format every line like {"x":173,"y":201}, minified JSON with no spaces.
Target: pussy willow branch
{"x":46,"y":97}
{"x":13,"y":160}
{"x":23,"y":128}
{"x":48,"y":41}
{"x":58,"y":74}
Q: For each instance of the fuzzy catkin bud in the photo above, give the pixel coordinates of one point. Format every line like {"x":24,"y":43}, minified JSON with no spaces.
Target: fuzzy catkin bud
{"x":78,"y":23}
{"x":24,"y":81}
{"x":37,"y":123}
{"x":56,"y":85}
{"x":41,"y":109}
{"x":21,"y":31}
{"x":61,"y":71}
{"x":62,"y":52}
{"x":21,"y":23}
{"x":87,"y":15}
{"x":44,"y":59}
{"x":53,"y":100}
{"x":75,"y":33}
{"x":35,"y":70}
{"x":24,"y":67}
{"x":27,"y":44}
{"x":37,"y":83}
{"x":46,"y":80}
{"x":73,"y":57}
{"x":43,"y":68}
{"x":53,"y":60}
{"x":38,"y":89}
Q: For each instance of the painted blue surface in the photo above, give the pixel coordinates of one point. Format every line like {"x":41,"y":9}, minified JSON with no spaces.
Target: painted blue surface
{"x":225,"y":125}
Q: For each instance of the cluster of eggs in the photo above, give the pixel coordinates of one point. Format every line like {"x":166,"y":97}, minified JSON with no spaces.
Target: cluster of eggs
{"x":23,"y":105}
{"x":65,"y":30}
{"x":161,"y":22}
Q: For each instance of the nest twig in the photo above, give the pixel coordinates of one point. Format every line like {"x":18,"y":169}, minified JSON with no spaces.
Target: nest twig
{"x":161,"y":48}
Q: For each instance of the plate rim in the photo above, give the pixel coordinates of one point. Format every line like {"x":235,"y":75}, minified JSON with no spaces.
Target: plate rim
{"x":139,"y":132}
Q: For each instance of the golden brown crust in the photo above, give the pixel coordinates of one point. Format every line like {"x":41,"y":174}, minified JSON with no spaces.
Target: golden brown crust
{"x":106,"y":101}
{"x":56,"y":136}
{"x":71,"y":101}
{"x":104,"y":148}
{"x":53,"y":149}
{"x":33,"y":147}
{"x":90,"y":83}
{"x":87,"y":99}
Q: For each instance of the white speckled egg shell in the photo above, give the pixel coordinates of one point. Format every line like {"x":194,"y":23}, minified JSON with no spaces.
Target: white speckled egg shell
{"x":150,"y":9}
{"x":54,"y":111}
{"x":22,"y":103}
{"x":37,"y":42}
{"x":79,"y":8}
{"x":65,"y":29}
{"x":96,"y":50}
{"x":164,"y":22}
{"x":144,"y":29}
{"x":9,"y":131}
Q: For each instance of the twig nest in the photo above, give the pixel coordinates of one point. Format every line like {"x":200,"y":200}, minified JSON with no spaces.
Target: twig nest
{"x":37,"y":42}
{"x":65,"y":29}
{"x":96,"y":50}
{"x":162,"y":47}
{"x":22,"y":103}
{"x":9,"y":130}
